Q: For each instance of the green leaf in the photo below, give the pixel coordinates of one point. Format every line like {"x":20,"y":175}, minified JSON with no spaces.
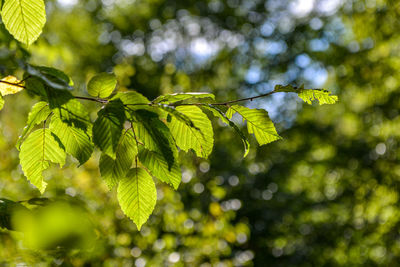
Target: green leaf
{"x":132,"y":100}
{"x":137,"y":195}
{"x":75,"y":141}
{"x":74,"y":114}
{"x":171,"y":98}
{"x":51,"y":77}
{"x":308,"y":95}
{"x":155,"y":135}
{"x":35,"y":85}
{"x":24,"y":19}
{"x":107,"y":128}
{"x":6,"y":213}
{"x":10,"y":85}
{"x":323,"y":96}
{"x":55,"y":75}
{"x":176,"y":114}
{"x":199,"y":138}
{"x":39,"y":113}
{"x":224,"y":118}
{"x":158,"y":167}
{"x":258,"y":123}
{"x":57,"y":98}
{"x":229,"y":113}
{"x":102,"y":85}
{"x":113,"y":170}
{"x":7,"y":209}
{"x":37,"y":151}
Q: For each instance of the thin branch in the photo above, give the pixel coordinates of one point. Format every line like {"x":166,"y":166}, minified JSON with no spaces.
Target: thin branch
{"x":24,"y":79}
{"x":203,"y":104}
{"x":243,"y":99}
{"x":13,"y":84}
{"x":99,"y":100}
{"x":105,"y":101}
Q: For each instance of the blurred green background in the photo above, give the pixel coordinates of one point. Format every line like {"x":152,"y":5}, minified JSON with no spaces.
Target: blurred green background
{"x":325,"y":195}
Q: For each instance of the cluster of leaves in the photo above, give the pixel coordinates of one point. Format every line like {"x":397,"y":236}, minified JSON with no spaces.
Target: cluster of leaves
{"x":138,"y":138}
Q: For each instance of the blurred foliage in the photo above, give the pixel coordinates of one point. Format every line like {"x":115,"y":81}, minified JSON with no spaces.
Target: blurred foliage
{"x":325,"y":195}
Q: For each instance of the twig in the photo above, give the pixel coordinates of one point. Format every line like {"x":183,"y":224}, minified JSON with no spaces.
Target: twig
{"x":24,"y":79}
{"x":105,"y":101}
{"x":13,"y":84}
{"x":243,"y":99}
{"x":202,"y":104}
{"x":99,"y":100}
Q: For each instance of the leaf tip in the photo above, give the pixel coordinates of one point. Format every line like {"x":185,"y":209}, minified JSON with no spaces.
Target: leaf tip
{"x":139,"y":225}
{"x":42,"y":187}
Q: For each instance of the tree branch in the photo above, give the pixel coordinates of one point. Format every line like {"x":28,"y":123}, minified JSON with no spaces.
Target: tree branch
{"x":99,"y":100}
{"x":231,"y":101}
{"x":105,"y":101}
{"x":13,"y":84}
{"x":202,"y":104}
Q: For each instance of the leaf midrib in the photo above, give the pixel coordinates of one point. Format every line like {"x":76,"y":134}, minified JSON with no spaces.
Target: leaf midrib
{"x":23,"y":20}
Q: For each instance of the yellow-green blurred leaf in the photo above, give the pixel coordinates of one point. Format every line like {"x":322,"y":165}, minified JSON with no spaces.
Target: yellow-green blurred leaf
{"x":10,"y":85}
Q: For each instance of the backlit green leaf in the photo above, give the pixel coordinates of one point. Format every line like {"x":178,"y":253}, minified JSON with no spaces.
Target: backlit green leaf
{"x":224,"y":118}
{"x":75,"y":141}
{"x":39,"y":113}
{"x":137,"y":195}
{"x":308,"y":95}
{"x":155,"y":135}
{"x":158,"y":167}
{"x":132,"y":100}
{"x":323,"y":96}
{"x":37,"y":151}
{"x":258,"y":123}
{"x":107,"y":128}
{"x":74,"y":114}
{"x":171,"y":111}
{"x":199,"y":138}
{"x":102,"y":85}
{"x":171,"y":98}
{"x":24,"y":19}
{"x":10,"y":85}
{"x":112,"y":170}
